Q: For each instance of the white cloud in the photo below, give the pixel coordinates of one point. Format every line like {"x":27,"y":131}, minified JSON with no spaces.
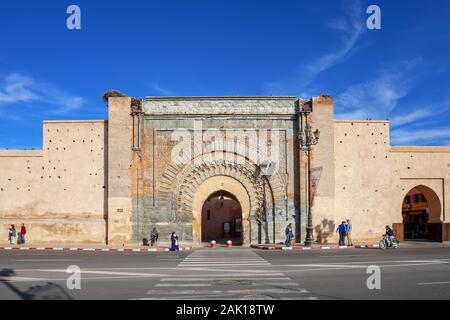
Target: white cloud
{"x":162,"y":91}
{"x":408,"y":137}
{"x":350,"y":29}
{"x":18,"y":88}
{"x":401,"y":120}
{"x":377,"y":98}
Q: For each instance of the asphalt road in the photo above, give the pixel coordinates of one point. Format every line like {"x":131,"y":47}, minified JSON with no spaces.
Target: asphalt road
{"x":405,"y":273}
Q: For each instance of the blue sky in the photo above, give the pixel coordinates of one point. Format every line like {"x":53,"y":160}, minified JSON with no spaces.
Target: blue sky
{"x":233,"y":47}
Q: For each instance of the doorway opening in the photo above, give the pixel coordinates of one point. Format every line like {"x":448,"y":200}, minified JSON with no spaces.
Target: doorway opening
{"x":222,"y":219}
{"x":421,"y":211}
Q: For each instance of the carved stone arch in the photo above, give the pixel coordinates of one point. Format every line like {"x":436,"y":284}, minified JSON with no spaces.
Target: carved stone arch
{"x":179,"y":183}
{"x":196,"y":175}
{"x":166,"y":181}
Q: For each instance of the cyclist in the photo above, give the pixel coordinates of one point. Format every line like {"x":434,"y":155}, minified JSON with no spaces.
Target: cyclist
{"x":389,"y":236}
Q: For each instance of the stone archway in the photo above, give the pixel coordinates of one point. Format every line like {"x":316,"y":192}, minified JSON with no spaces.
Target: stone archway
{"x":220,"y":184}
{"x":180,"y":182}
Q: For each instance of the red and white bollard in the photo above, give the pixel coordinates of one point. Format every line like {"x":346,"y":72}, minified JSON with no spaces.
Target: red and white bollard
{"x":229,"y":244}
{"x":213,"y":244}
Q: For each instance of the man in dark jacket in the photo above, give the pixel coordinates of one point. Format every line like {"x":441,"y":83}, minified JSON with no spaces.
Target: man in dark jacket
{"x":154,"y":236}
{"x":389,"y":235}
{"x":289,"y":235}
{"x":342,"y":230}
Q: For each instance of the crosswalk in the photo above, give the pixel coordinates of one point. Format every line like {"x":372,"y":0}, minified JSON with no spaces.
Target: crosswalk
{"x":227,"y":274}
{"x":221,"y":258}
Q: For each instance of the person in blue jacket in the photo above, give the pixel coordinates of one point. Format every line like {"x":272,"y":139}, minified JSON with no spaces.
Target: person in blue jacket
{"x":342,"y":230}
{"x":289,"y":235}
{"x":348,"y":235}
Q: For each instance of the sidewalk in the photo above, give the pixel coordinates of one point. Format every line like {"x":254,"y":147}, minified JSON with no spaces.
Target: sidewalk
{"x":162,"y":247}
{"x":362,"y":245}
{"x":299,"y":247}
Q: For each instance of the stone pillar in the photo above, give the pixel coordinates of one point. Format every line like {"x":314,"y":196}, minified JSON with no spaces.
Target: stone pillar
{"x":120,"y":137}
{"x":322,"y":163}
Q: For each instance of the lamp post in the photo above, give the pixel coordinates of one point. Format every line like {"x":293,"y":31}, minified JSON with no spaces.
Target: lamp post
{"x":307,"y":138}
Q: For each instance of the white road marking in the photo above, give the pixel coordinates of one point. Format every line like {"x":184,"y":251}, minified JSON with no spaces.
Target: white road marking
{"x":217,"y":270}
{"x":215,"y":265}
{"x":108,"y":273}
{"x":221,"y":258}
{"x":18,"y":279}
{"x":433,"y":283}
{"x":247,"y":274}
{"x":343,"y":267}
{"x":242,"y":291}
{"x":167,"y":285}
{"x":348,"y":255}
{"x":280,"y":284}
{"x":46,"y":260}
{"x":222,"y":278}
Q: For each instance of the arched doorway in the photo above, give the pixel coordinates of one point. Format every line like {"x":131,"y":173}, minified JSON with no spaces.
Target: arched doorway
{"x":421,"y":213}
{"x":222,"y":218}
{"x":221,"y":186}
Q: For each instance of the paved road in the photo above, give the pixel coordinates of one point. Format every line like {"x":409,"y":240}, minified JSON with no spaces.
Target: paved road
{"x":408,"y":273}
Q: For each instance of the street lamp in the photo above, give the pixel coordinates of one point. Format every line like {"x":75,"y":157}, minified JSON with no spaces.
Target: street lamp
{"x":307,"y":138}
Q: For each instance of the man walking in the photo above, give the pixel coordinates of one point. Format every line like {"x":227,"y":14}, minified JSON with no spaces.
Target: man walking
{"x":289,"y":235}
{"x":154,"y":236}
{"x":349,"y":233}
{"x":342,"y":229}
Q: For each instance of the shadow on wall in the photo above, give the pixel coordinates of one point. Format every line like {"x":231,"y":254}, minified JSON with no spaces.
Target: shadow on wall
{"x":49,"y":291}
{"x":325,"y":230}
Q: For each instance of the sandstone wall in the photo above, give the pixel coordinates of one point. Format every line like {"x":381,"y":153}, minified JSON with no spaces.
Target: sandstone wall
{"x":322,"y":169}
{"x":363,"y":188}
{"x":58,"y":192}
{"x":372,"y":178}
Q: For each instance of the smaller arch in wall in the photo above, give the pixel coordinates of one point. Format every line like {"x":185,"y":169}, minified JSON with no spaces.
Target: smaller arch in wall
{"x":422,"y":214}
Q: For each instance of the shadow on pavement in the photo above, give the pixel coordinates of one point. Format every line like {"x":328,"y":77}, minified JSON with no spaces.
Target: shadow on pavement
{"x":49,"y":291}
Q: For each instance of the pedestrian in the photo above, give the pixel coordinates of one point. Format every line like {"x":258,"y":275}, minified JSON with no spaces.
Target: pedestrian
{"x":349,"y":233}
{"x":342,"y":231}
{"x":154,"y":236}
{"x":23,"y":232}
{"x":289,"y":235}
{"x":174,"y":242}
{"x":12,"y":234}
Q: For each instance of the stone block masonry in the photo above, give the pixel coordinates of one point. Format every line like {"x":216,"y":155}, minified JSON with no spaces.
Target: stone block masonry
{"x":112,"y":181}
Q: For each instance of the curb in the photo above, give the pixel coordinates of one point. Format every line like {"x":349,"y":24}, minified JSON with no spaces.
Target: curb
{"x":369,"y":246}
{"x":92,"y":249}
{"x":298,"y":248}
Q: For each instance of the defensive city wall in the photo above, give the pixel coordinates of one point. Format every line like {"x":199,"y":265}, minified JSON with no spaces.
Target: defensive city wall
{"x":111,"y":181}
